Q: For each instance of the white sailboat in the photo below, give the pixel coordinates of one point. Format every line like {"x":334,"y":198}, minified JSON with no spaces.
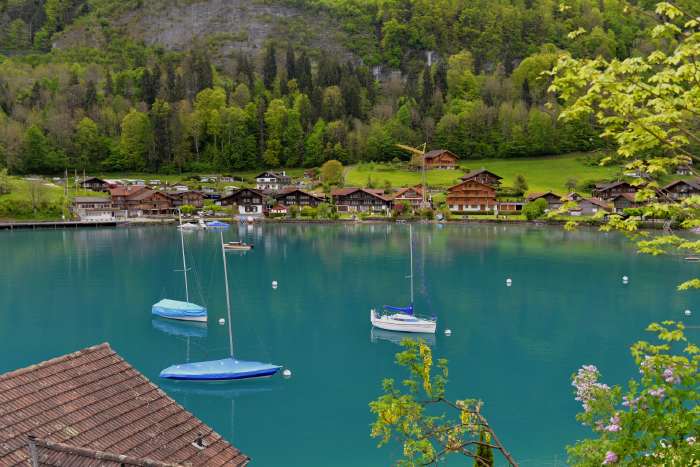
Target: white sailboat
{"x":402,"y":319}
{"x":177,"y":309}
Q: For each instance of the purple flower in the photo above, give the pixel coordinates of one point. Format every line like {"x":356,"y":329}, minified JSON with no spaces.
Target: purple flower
{"x":670,"y":377}
{"x":614,"y":425}
{"x":610,"y":458}
{"x":660,"y":393}
{"x":587,"y":385}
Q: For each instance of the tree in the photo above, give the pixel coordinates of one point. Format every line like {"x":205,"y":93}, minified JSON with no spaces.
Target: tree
{"x":406,"y":413}
{"x":571,"y":185}
{"x":5,"y":186}
{"x":88,"y":144}
{"x":520,"y":184}
{"x":332,"y":172}
{"x":535,"y":209}
{"x":136,"y":139}
{"x":269,"y":66}
{"x":654,"y":420}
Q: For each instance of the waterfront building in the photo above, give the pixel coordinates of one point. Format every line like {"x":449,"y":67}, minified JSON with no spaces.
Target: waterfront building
{"x":411,"y":195}
{"x":608,"y":191}
{"x":140,"y":200}
{"x":91,"y":408}
{"x":361,"y":200}
{"x":297,"y":197}
{"x":681,"y":189}
{"x":95,"y":209}
{"x":190,"y":197}
{"x":248,"y":200}
{"x":624,"y":201}
{"x":553,"y":200}
{"x":471,"y":196}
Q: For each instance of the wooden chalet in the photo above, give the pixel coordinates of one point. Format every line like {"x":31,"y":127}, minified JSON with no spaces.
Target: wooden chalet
{"x":361,"y":200}
{"x":681,"y":189}
{"x":272,"y":181}
{"x":471,"y":196}
{"x":589,"y":207}
{"x":249,"y":201}
{"x":298,"y":197}
{"x":411,"y":195}
{"x":92,"y":409}
{"x":553,"y":200}
{"x":190,"y":197}
{"x":685,"y":169}
{"x":610,"y":190}
{"x":95,"y":184}
{"x":483,"y":176}
{"x":440,"y":159}
{"x":95,"y":209}
{"x":624,"y":201}
{"x":139,"y":200}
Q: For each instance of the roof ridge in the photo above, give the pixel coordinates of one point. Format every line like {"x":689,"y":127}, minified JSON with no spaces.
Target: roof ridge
{"x":56,"y":360}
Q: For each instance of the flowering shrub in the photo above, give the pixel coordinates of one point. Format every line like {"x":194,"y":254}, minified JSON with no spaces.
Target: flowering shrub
{"x":656,"y":419}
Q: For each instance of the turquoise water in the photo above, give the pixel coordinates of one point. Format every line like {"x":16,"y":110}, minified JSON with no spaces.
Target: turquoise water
{"x":513,"y":347}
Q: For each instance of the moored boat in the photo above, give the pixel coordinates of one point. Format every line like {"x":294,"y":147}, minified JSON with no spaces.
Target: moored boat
{"x":238,"y":246}
{"x":402,"y":322}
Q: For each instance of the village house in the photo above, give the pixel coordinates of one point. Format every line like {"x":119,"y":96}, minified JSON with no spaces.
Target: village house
{"x":553,"y":200}
{"x":624,"y":201}
{"x":361,"y":200}
{"x":249,"y":201}
{"x":471,"y":196}
{"x":298,"y":197}
{"x":483,"y":176}
{"x":610,"y":190}
{"x":95,"y":209}
{"x":440,"y":159}
{"x":141,"y":200}
{"x":411,"y":195}
{"x":681,"y":189}
{"x":272,"y":181}
{"x":589,"y":207}
{"x":685,"y":169}
{"x":91,"y":408}
{"x":190,"y":198}
{"x":95,"y":184}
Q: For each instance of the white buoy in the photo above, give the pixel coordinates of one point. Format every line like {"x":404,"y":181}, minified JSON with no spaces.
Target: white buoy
{"x":222,"y":321}
{"x":448,"y":332}
{"x":625,"y":279}
{"x":274,"y":284}
{"x":287,"y":373}
{"x":509,"y":282}
{"x":688,"y":312}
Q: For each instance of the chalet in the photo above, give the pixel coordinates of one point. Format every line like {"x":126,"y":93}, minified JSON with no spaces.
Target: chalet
{"x":94,"y":209}
{"x":440,"y":159}
{"x":361,"y":200}
{"x":684,"y":169}
{"x":681,"y":189}
{"x":91,"y":408}
{"x":249,"y":201}
{"x":141,"y":200}
{"x":297,"y":197}
{"x":471,"y":195}
{"x":272,"y":181}
{"x":191,"y":198}
{"x":553,"y":200}
{"x":411,"y":195}
{"x":610,"y":190}
{"x":589,"y":207}
{"x":624,"y":201}
{"x":95,"y":184}
{"x":483,"y":176}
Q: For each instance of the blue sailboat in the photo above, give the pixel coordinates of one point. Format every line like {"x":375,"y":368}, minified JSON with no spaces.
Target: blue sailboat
{"x":177,"y":309}
{"x":225,"y":369}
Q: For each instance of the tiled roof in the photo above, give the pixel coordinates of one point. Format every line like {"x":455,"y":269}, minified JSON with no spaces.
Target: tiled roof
{"x":372,"y":191}
{"x":607,"y":186}
{"x":692,"y":183}
{"x":292,"y":189}
{"x":598,"y":202}
{"x":50,"y":454}
{"x":474,"y":173}
{"x":534,"y":196}
{"x":402,"y":191}
{"x":628,"y":196}
{"x":438,"y":152}
{"x":127,"y":190}
{"x":95,"y":400}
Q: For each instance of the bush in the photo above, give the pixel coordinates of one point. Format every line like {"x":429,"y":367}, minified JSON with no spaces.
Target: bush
{"x":535,"y":209}
{"x":308,"y":211}
{"x":427,"y":213}
{"x":187,"y":209}
{"x":508,"y":192}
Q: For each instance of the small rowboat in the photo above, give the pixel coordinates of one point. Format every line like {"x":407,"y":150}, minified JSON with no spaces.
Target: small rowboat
{"x":237,"y":246}
{"x":692,"y":258}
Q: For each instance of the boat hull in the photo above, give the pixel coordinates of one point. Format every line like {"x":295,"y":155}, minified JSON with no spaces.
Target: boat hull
{"x":227,"y":369}
{"x":183,"y":311}
{"x":402,"y":323}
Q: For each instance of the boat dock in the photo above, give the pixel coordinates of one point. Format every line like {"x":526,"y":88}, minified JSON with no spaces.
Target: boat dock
{"x":54,"y":225}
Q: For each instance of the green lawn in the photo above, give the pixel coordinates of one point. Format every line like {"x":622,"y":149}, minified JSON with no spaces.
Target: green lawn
{"x":541,"y":174}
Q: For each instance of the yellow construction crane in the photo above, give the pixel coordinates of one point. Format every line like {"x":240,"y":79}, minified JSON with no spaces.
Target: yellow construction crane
{"x":420,"y":153}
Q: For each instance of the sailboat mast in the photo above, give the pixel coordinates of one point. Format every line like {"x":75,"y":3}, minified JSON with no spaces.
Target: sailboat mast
{"x":410,"y":236}
{"x":184,"y":260}
{"x":228,"y":298}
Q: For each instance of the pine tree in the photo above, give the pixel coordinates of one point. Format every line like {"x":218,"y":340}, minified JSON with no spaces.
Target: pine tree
{"x":90,"y":97}
{"x":441,"y":77}
{"x":426,"y":96}
{"x":303,"y":71}
{"x":109,"y":83}
{"x":270,"y":66}
{"x":291,"y":63}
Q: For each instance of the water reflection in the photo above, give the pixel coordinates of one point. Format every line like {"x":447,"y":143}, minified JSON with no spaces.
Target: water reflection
{"x":180,"y":329}
{"x":397,"y":337}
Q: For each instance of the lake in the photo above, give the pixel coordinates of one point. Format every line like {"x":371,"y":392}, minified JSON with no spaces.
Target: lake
{"x":514,"y":347}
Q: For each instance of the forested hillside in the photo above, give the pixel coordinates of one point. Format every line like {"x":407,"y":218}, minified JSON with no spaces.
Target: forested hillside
{"x":224,"y":85}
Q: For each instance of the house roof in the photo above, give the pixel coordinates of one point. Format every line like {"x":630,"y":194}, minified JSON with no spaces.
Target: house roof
{"x":439,"y":152}
{"x":241,"y":190}
{"x":597,"y":202}
{"x":607,"y":186}
{"x":279,"y":207}
{"x":271,"y":174}
{"x":471,"y":181}
{"x":93,"y":179}
{"x":127,"y":190}
{"x":474,"y":173}
{"x":347,"y":191}
{"x":692,"y":183}
{"x":90,"y":199}
{"x":95,"y":400}
{"x":402,"y":191}
{"x":290,"y":190}
{"x":534,"y":196}
{"x":145,"y":194}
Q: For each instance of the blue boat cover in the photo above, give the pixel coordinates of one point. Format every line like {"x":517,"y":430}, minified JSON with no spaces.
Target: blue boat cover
{"x":176,"y":309}
{"x":217,"y":224}
{"x":180,"y":328}
{"x":219,"y":370}
{"x":408,"y":309}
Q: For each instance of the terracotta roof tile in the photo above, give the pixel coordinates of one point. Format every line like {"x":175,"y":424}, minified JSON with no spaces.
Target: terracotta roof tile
{"x":93,"y":399}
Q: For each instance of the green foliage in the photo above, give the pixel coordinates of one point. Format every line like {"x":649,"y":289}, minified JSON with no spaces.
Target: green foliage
{"x":332,"y":172}
{"x":654,"y":420}
{"x":187,"y":209}
{"x":535,"y":209}
{"x":520,"y":184}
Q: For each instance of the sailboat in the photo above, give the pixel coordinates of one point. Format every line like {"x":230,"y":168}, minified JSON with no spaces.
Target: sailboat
{"x":176,"y":309}
{"x":225,"y":369}
{"x":402,"y":319}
